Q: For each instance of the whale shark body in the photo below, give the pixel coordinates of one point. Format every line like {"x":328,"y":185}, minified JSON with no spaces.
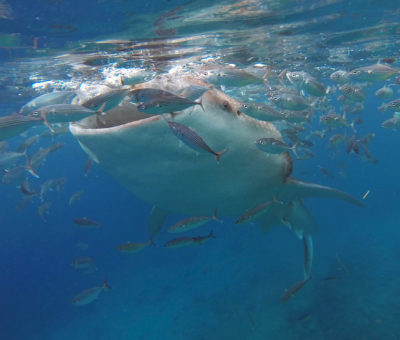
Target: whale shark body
{"x":142,"y":153}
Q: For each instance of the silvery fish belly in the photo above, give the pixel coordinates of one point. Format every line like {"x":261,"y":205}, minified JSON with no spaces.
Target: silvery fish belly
{"x":145,"y":156}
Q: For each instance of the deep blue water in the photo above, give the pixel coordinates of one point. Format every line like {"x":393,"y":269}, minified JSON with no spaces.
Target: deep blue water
{"x":229,"y":287}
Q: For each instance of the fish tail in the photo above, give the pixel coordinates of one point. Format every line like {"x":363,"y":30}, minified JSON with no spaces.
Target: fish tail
{"x":382,"y":108}
{"x":294,"y":149}
{"x":219,"y":154}
{"x":106,"y":285}
{"x":214,"y":216}
{"x":101,"y":108}
{"x":200,"y":102}
{"x":282,"y":75}
{"x":28,"y":166}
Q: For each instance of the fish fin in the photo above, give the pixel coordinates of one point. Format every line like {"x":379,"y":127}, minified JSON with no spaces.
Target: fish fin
{"x":294,"y":188}
{"x":200,"y":102}
{"x":294,"y":149}
{"x":156,"y":220}
{"x":45,"y":121}
{"x":288,"y":165}
{"x":101,"y":108}
{"x":106,"y":285}
{"x":214,"y":216}
{"x":151,"y":241}
{"x":219,"y":154}
{"x":211,"y":234}
{"x":308,"y":255}
{"x":282,"y":75}
{"x":274,"y":217}
{"x":28,"y":166}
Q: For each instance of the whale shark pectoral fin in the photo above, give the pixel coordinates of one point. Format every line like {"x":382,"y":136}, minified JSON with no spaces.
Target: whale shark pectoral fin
{"x":156,"y":220}
{"x":294,"y":188}
{"x":308,"y":254}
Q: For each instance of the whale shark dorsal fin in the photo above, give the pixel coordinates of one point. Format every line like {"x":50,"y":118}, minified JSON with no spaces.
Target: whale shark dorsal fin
{"x":294,"y":189}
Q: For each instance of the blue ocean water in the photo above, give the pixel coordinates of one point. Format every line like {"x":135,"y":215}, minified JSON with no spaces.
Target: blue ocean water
{"x":230,"y":286}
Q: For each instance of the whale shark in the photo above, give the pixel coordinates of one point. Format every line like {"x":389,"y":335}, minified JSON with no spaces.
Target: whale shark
{"x":140,"y":151}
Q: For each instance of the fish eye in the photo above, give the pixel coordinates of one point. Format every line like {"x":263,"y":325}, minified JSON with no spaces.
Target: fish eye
{"x":35,"y":113}
{"x":225,"y":105}
{"x":238,"y":112}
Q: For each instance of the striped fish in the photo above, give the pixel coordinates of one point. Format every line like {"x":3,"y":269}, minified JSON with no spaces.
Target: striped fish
{"x":188,"y":136}
{"x":192,"y":223}
{"x":15,"y":124}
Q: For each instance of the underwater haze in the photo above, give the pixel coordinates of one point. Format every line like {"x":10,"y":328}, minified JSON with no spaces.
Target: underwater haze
{"x":187,"y":170}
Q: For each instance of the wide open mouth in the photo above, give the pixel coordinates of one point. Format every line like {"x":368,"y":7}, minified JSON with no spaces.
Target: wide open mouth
{"x":123,"y":115}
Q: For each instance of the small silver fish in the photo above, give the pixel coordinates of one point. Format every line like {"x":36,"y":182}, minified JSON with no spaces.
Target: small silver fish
{"x":75,"y":197}
{"x":336,"y":139}
{"x":384,"y":92}
{"x":192,"y":223}
{"x":15,"y":124}
{"x":157,"y":101}
{"x":275,"y":146}
{"x":27,"y":143}
{"x":106,"y":101}
{"x":82,"y":262}
{"x":57,"y":97}
{"x":392,"y":123}
{"x":393,"y":106}
{"x":305,"y":82}
{"x":373,"y":73}
{"x":180,"y":242}
{"x":262,"y":111}
{"x":192,"y":139}
{"x":10,"y":158}
{"x":340,"y":77}
{"x":334,"y":120}
{"x":62,"y":113}
{"x":353,"y":92}
{"x":253,"y":213}
{"x":134,"y":247}
{"x":287,"y":101}
{"x":89,"y":295}
{"x":294,"y":289}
